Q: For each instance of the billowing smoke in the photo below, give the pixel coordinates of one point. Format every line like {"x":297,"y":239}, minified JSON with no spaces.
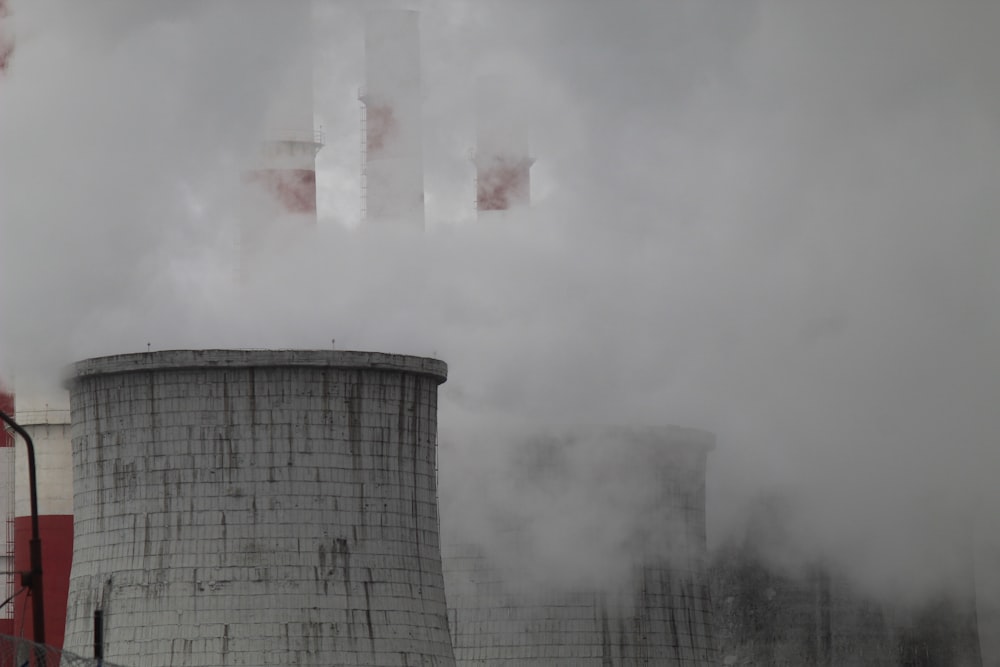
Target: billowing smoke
{"x":776,"y":223}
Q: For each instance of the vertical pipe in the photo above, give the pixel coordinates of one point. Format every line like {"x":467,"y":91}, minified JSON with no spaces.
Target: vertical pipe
{"x":50,"y":434}
{"x":34,"y":577}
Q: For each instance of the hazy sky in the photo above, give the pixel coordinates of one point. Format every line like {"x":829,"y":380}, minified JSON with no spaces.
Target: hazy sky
{"x":776,"y":221}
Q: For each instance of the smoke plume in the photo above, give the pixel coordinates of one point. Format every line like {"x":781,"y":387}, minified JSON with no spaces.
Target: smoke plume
{"x":773,"y":222}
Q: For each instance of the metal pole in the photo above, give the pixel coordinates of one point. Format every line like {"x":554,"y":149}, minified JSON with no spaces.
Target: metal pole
{"x":33,"y":579}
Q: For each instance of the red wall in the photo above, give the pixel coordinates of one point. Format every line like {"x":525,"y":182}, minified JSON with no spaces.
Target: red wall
{"x":56,"y":532}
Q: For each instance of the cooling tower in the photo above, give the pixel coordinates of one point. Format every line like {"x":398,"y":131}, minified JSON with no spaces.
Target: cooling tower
{"x":393,"y":154}
{"x":503,"y":163}
{"x":258,"y":508}
{"x":50,"y":431}
{"x":774,"y":613}
{"x":506,"y":609}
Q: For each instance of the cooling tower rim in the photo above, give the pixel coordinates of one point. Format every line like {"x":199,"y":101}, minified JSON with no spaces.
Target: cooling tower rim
{"x":171,"y":360}
{"x":650,"y":434}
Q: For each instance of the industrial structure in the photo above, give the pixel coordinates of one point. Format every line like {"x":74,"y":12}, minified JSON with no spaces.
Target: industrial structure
{"x":258,"y":508}
{"x":772,"y":614}
{"x":218,"y":507}
{"x":507,"y":614}
{"x":7,"y":515}
{"x":279,"y":182}
{"x":503,"y":161}
{"x":392,"y":139}
{"x":49,"y":429}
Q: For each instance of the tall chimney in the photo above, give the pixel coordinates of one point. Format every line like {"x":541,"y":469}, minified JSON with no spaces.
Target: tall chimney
{"x":7,"y":512}
{"x":392,"y":152}
{"x":47,"y":421}
{"x":280,"y":179}
{"x":502,"y":161}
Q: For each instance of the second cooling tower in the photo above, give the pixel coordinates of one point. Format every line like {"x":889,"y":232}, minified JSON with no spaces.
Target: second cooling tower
{"x":506,"y":610}
{"x":258,"y":508}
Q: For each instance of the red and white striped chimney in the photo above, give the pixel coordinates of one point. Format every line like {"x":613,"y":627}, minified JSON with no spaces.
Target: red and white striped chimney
{"x":503,"y":163}
{"x":279,"y":192}
{"x":392,"y":163}
{"x":7,"y":450}
{"x":49,"y":428}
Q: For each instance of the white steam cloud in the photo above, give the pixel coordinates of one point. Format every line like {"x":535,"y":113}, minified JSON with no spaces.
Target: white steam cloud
{"x":776,"y":223}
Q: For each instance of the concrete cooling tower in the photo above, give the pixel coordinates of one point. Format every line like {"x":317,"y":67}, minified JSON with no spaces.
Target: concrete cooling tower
{"x":257,"y":508}
{"x":504,"y":611}
{"x":771,"y":614}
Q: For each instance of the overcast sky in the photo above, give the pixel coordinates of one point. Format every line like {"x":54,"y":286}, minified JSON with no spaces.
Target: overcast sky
{"x":776,"y":221}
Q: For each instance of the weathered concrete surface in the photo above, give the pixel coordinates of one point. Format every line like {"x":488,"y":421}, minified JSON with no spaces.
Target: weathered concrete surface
{"x":658,"y":615}
{"x":258,"y":508}
{"x":771,"y":614}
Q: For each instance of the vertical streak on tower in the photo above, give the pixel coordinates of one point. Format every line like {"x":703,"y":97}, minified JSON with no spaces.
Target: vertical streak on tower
{"x":50,"y":432}
{"x":280,"y":181}
{"x":394,"y":176}
{"x":7,"y":445}
{"x":503,"y":163}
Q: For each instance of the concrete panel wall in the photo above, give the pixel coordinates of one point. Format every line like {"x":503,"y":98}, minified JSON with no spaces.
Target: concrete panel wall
{"x":768,"y":611}
{"x":258,"y":508}
{"x":660,"y":614}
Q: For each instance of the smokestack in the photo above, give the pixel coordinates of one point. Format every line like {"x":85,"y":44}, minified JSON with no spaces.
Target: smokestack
{"x":280,"y":180}
{"x":258,"y":508}
{"x":7,"y":454}
{"x":503,"y":163}
{"x":392,"y":159}
{"x":50,"y":431}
